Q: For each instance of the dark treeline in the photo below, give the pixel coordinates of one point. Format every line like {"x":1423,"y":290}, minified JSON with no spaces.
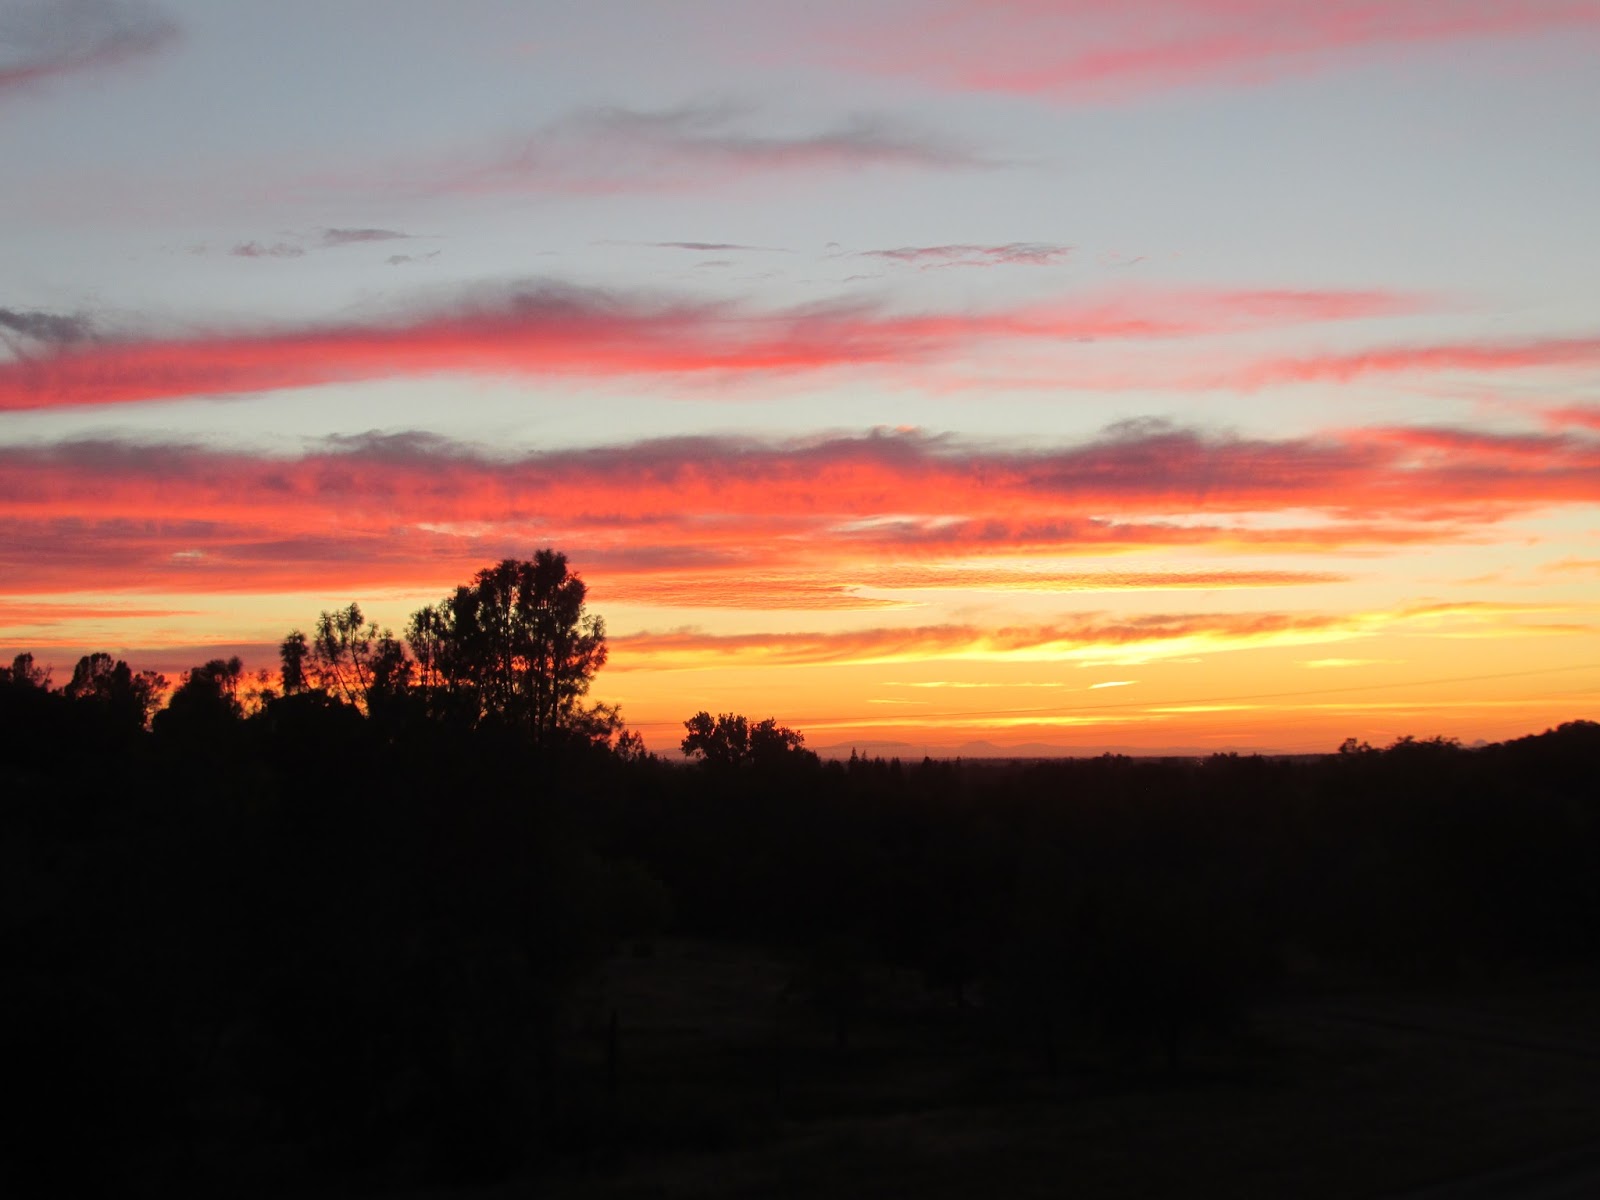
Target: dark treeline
{"x":348,"y":934}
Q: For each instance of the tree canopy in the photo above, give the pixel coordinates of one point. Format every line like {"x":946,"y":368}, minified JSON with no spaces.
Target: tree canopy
{"x":129,"y":699}
{"x":516,"y":647}
{"x":349,"y":660}
{"x":206,"y":701}
{"x":729,"y":740}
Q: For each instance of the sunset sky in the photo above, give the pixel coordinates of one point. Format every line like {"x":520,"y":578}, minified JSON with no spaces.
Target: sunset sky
{"x":1158,"y":375}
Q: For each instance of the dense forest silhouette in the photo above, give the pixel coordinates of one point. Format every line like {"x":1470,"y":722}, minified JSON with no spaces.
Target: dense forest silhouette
{"x":352,"y":921}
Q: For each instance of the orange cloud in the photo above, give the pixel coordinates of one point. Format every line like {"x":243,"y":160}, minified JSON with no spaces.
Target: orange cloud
{"x":40,"y":615}
{"x":981,"y":578}
{"x":803,"y":524}
{"x":739,"y":589}
{"x":733,"y":589}
{"x":1574,"y":566}
{"x":1083,"y":637}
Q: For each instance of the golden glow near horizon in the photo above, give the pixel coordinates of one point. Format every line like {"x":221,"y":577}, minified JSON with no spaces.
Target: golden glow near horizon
{"x":1101,"y":377}
{"x":1101,"y":660}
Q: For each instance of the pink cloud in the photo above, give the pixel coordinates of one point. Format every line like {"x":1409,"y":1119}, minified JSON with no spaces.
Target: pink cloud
{"x":1586,"y":416}
{"x":548,"y":330}
{"x":1511,"y":354}
{"x":1089,"y":50}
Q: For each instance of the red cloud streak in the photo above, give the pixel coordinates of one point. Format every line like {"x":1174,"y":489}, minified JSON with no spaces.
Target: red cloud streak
{"x":563,"y":332}
{"x":782,"y":524}
{"x":855,"y":484}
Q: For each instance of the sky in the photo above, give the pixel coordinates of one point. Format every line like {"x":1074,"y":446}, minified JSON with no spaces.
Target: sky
{"x":935,"y":376}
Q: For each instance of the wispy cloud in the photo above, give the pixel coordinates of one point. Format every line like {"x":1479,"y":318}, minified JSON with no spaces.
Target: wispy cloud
{"x":1087,"y":51}
{"x":916,"y":577}
{"x":42,"y":39}
{"x":600,"y":151}
{"x":969,"y":685}
{"x":1083,"y":638}
{"x":58,"y":329}
{"x":1574,"y":566}
{"x":555,"y":330}
{"x":268,"y":250}
{"x":722,"y":133}
{"x":297,"y":245}
{"x":1504,"y":354}
{"x":1340,"y":663}
{"x":346,"y":237}
{"x":1474,"y":356}
{"x":703,"y":247}
{"x":792,"y":591}
{"x":1031,"y":254}
{"x":852,"y":587}
{"x":41,"y":614}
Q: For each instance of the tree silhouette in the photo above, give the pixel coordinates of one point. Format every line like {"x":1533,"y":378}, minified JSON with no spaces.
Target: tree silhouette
{"x":23,"y":675}
{"x":348,"y":659}
{"x":517,"y":648}
{"x":206,"y":701}
{"x":129,"y":700}
{"x":91,"y":677}
{"x":722,"y":741}
{"x":729,"y":741}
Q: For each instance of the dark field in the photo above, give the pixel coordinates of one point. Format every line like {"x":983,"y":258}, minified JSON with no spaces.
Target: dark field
{"x":727,"y":1087}
{"x":317,"y":952}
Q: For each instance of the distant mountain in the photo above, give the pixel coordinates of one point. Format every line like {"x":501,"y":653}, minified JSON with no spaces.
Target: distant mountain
{"x":901,"y":750}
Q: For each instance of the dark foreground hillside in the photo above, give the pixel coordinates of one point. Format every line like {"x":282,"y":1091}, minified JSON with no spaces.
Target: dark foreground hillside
{"x":321,"y":952}
{"x":1344,"y":1092}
